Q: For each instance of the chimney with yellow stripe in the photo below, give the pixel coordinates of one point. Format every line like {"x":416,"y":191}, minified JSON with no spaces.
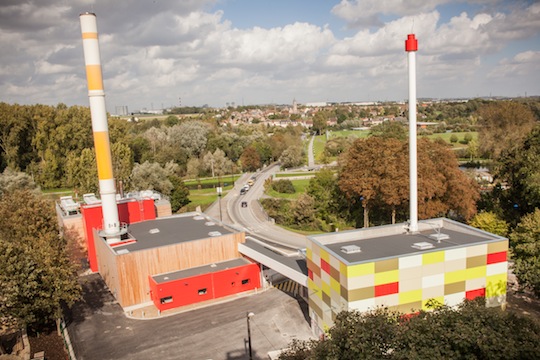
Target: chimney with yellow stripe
{"x":96,"y":94}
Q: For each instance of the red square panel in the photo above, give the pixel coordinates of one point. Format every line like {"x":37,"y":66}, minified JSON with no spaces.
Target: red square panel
{"x":472,"y":294}
{"x":325,"y":266}
{"x":387,"y":289}
{"x":496,"y":257}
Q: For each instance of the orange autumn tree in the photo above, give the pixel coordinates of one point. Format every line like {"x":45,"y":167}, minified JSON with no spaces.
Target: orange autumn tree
{"x":375,"y":171}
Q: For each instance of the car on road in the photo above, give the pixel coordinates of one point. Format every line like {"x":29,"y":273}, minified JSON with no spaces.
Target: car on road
{"x":244,"y":204}
{"x":242,"y":191}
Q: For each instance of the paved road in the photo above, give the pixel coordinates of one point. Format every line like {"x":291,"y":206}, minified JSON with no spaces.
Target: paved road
{"x":99,"y":330}
{"x":253,"y":218}
{"x":311,"y":154}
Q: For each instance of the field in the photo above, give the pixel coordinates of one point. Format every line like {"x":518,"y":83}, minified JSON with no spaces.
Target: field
{"x":299,"y":187}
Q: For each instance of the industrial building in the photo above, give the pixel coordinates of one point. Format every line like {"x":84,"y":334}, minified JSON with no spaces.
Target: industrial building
{"x":388,"y":266}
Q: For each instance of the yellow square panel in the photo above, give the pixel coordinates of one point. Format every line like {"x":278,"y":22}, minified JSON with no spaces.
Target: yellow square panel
{"x":410,"y":296}
{"x":309,"y":253}
{"x":335,"y":285}
{"x":361,"y":269}
{"x":432,"y":258}
{"x":324,"y":255}
{"x":387,"y":277}
{"x":476,"y":272}
{"x":439,"y":300}
{"x":455,"y":276}
{"x":326,"y":288}
{"x":496,"y":285}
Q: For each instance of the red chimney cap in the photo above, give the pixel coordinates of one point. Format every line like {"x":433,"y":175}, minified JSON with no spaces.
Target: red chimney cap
{"x":411,"y":44}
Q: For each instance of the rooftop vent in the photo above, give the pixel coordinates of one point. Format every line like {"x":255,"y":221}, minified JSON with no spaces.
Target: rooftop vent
{"x":213,"y":265}
{"x":439,"y":236}
{"x":198,"y":217}
{"x":424,"y":245}
{"x":122,"y":251}
{"x":351,"y":249}
{"x":214,"y":233}
{"x":209,"y":223}
{"x":153,"y":231}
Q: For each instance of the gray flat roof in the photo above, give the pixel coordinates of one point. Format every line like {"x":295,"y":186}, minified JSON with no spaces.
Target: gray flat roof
{"x":296,"y":263}
{"x":172,"y":230}
{"x":199,"y":270}
{"x":392,"y":241}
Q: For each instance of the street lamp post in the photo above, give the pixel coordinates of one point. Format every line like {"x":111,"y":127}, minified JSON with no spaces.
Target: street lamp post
{"x":248,"y":316}
{"x":219,"y":191}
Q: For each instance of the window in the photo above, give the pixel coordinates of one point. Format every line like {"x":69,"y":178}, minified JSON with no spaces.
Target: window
{"x":245,"y":281}
{"x":202,"y":291}
{"x":166,"y":300}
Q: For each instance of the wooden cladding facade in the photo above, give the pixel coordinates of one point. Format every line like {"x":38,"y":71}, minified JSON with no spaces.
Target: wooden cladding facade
{"x":126,"y":275}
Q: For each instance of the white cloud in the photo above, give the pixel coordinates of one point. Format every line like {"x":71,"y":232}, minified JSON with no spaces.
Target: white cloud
{"x":156,"y":52}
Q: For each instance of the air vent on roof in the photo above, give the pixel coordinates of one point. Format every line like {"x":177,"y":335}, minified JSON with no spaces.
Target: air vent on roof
{"x":214,"y":233}
{"x":153,"y":231}
{"x":351,"y":249}
{"x":209,"y":223}
{"x":198,"y":217}
{"x":439,"y":237}
{"x":424,"y":245}
{"x":213,"y":265}
{"x":122,"y":251}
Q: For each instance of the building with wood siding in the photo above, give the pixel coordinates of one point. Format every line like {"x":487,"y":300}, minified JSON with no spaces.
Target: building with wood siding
{"x":387,"y":266}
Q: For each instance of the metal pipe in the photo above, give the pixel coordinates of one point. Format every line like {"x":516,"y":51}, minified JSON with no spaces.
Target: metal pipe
{"x":411,"y":46}
{"x":96,"y":95}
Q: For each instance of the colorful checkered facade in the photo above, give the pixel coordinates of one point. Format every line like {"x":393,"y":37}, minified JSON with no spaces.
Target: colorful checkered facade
{"x":404,"y":283}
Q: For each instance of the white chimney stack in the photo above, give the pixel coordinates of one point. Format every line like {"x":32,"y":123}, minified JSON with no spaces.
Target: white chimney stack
{"x":411,"y":46}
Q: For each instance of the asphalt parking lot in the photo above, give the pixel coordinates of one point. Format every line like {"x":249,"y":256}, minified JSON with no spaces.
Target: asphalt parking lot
{"x":100,"y":330}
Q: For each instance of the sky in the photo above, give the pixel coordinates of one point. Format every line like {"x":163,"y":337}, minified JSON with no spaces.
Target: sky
{"x":161,"y":53}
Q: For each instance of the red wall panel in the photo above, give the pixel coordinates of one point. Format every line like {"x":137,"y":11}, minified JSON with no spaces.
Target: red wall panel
{"x":128,"y":212}
{"x":387,"y":289}
{"x":472,"y":294}
{"x":204,"y":287}
{"x":496,"y":257}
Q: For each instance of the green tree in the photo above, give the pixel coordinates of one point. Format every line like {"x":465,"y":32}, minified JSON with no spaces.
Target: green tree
{"x":520,"y":169}
{"x":36,"y":276}
{"x":303,"y":212}
{"x":490,"y":222}
{"x":470,"y":331}
{"x":179,"y":195}
{"x":503,"y":126}
{"x":390,"y":129}
{"x":320,"y":120}
{"x":122,"y":161}
{"x":525,"y":245}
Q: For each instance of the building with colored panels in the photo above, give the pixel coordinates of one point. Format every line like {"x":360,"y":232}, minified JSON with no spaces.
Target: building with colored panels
{"x":387,"y":266}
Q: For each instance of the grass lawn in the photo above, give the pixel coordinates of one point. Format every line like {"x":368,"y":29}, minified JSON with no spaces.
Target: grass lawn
{"x":460,"y":135}
{"x":293,"y":174}
{"x":345,"y":133}
{"x":203,"y":198}
{"x":299,"y":187}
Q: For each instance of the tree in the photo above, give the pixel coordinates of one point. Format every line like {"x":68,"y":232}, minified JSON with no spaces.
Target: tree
{"x":525,"y":245}
{"x":250,"y":159}
{"x":490,"y":222}
{"x":320,"y":122}
{"x":180,"y":194}
{"x":217,"y":163}
{"x":519,"y":168}
{"x":151,"y":176}
{"x":292,"y":157}
{"x":376,"y":171}
{"x":453,"y":138}
{"x":82,"y":172}
{"x":503,"y":126}
{"x":36,"y":276}
{"x":470,"y":331}
{"x":192,"y":136}
{"x":390,"y":129}
{"x":122,"y":161}
{"x":368,"y":165}
{"x":11,"y":181}
{"x":303,"y":211}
